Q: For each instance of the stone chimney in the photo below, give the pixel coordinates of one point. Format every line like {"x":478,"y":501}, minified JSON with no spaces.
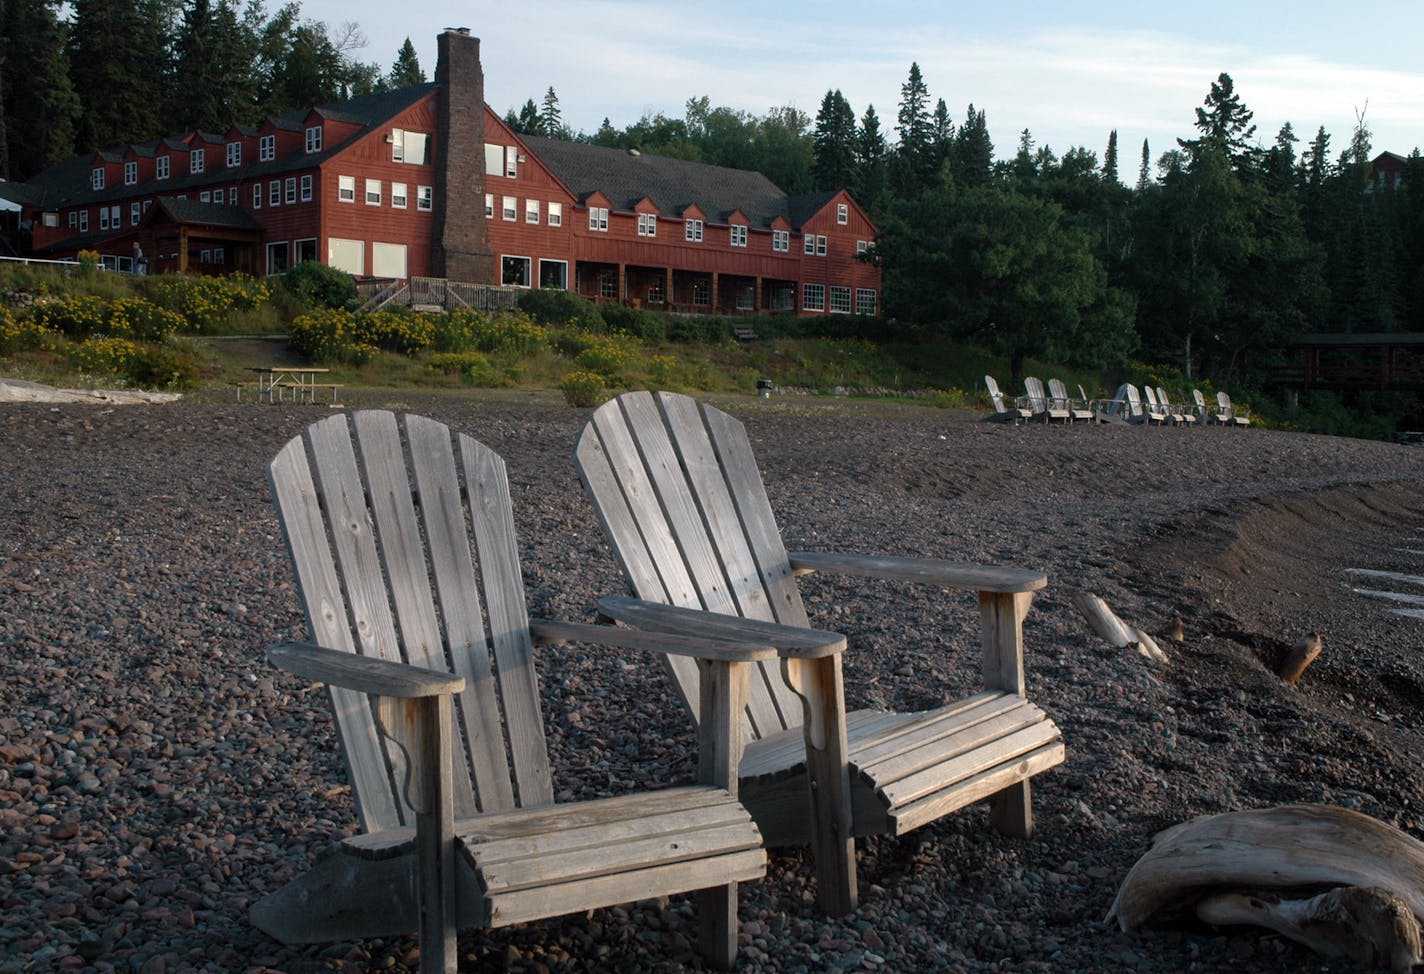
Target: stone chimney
{"x":460,"y":248}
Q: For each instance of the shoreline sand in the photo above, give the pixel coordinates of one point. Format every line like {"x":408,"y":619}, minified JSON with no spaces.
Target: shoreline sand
{"x":156,"y":776}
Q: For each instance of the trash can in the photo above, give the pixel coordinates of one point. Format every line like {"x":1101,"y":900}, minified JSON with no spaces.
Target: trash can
{"x":764,"y":388}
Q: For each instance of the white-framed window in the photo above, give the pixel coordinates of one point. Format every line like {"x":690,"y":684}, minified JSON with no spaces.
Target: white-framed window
{"x":257,"y":196}
{"x":306,"y":249}
{"x":861,"y":246}
{"x":307,"y":188}
{"x":313,"y":139}
{"x":197,"y":160}
{"x":388,"y":259}
{"x":205,"y":256}
{"x":556,"y":214}
{"x":83,"y":221}
{"x":739,"y":236}
{"x":267,"y":148}
{"x":346,"y":189}
{"x":234,"y":155}
{"x":73,"y":219}
{"x":291,"y":187}
{"x":160,"y":167}
{"x":813,"y":297}
{"x":397,"y":145}
{"x":511,"y":161}
{"x":820,"y":246}
{"x":702,"y":293}
{"x":398,"y":196}
{"x":489,"y":206}
{"x":96,"y":178}
{"x":840,"y":299}
{"x":219,"y":255}
{"x":373,"y":192}
{"x":49,"y":218}
{"x":135,"y":214}
{"x":809,"y":245}
{"x":531,"y":211}
{"x":346,"y":255}
{"x":277,"y":257}
{"x":842,"y":213}
{"x":865,"y":301}
{"x":647,"y":224}
{"x":116,"y":216}
{"x":218,"y":196}
{"x":598,"y":218}
{"x":515,"y":271}
{"x":692,"y":231}
{"x":494,"y":160}
{"x":608,"y":285}
{"x":274,"y":193}
{"x":554,"y":274}
{"x":424,"y":198}
{"x":781,"y":241}
{"x":510,"y":208}
{"x":130,"y":173}
{"x":206,"y":196}
{"x":103,"y":218}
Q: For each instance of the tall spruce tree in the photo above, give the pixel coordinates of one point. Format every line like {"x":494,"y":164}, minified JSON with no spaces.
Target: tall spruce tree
{"x":1110,"y":158}
{"x":1224,"y":122}
{"x":40,"y":107}
{"x":1144,"y":168}
{"x":117,"y":62}
{"x":913,"y":156}
{"x":197,"y":91}
{"x":973,"y":151}
{"x":406,"y":72}
{"x":870,"y":184}
{"x":833,"y":143}
{"x":551,"y":120}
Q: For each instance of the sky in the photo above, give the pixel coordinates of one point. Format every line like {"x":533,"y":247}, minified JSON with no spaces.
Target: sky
{"x":1070,"y":73}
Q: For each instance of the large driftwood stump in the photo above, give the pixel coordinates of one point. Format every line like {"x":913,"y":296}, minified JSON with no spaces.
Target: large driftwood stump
{"x":1240,"y":867}
{"x":1301,"y":655}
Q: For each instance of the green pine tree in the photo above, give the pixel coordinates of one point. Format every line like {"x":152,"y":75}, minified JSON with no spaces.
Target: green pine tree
{"x":1110,"y":158}
{"x":40,"y":108}
{"x":551,"y":120}
{"x":914,"y":155}
{"x":833,"y":144}
{"x":406,"y":72}
{"x":973,"y":152}
{"x":116,"y":75}
{"x":870,"y":160}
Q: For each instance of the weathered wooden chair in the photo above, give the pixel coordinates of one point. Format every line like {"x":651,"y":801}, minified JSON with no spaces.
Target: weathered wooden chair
{"x":677,"y":490}
{"x":1002,"y":410}
{"x":413,"y":595}
{"x":1041,"y":405}
{"x":1232,"y":415}
{"x":1077,"y":409}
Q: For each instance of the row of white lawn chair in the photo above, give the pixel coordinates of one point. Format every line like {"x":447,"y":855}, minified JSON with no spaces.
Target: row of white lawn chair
{"x":1151,"y":406}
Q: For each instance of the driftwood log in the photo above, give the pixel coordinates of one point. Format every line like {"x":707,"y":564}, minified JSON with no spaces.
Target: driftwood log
{"x":1242,"y":867}
{"x":1117,"y":633}
{"x":1301,"y":655}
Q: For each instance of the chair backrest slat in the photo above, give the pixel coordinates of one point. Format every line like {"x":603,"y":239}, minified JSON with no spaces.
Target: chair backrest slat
{"x":1033,"y":388}
{"x":374,"y":583}
{"x":681,"y":500}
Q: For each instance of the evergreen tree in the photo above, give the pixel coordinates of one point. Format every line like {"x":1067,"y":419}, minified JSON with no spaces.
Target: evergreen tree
{"x":196,"y":101}
{"x":833,"y":144}
{"x":1280,"y":160}
{"x":528,"y":121}
{"x":117,"y":62}
{"x":606,"y":135}
{"x":1024,"y":166}
{"x":786,"y":148}
{"x":870,"y":160}
{"x":406,"y":72}
{"x":1316,"y":161}
{"x":914,"y":156}
{"x":1110,"y":158}
{"x":236,"y":54}
{"x":941,"y":137}
{"x":1225,"y":124}
{"x":40,"y":108}
{"x":551,"y":120}
{"x":973,"y":152}
{"x":312,"y":72}
{"x":1144,"y":173}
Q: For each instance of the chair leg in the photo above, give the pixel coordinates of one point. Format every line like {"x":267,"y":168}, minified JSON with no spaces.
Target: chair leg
{"x":1011,"y":810}
{"x":717,"y":925}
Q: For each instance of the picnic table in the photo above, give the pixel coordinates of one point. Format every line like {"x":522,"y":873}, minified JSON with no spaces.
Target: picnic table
{"x":273,"y":382}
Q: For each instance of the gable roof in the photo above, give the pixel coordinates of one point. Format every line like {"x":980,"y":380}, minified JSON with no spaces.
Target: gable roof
{"x":626,"y":177}
{"x":205,"y":214}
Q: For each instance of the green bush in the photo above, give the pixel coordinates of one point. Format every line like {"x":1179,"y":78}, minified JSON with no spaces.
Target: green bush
{"x":554,"y":307}
{"x":320,"y":285}
{"x":584,"y":389}
{"x":396,"y":331}
{"x":644,"y":324}
{"x":21,"y":333}
{"x":141,"y":319}
{"x":700,"y":328}
{"x":75,"y":318}
{"x":207,"y":303}
{"x":611,"y":356}
{"x":159,"y":367}
{"x":327,"y":335}
{"x":103,"y":356}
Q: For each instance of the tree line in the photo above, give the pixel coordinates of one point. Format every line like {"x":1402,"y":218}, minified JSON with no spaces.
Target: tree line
{"x":84,"y":75}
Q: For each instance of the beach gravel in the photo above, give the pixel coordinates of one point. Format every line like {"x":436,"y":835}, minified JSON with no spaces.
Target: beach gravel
{"x":157,"y":776}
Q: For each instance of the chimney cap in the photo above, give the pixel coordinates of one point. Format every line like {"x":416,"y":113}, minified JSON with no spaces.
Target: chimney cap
{"x":458,"y":30}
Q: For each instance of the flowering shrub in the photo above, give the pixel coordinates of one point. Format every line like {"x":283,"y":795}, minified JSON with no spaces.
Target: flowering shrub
{"x":505,"y":331}
{"x":107,"y":356}
{"x":584,"y":389}
{"x":609,"y":355}
{"x":144,"y":320}
{"x":324,"y":336}
{"x":76,"y":318}
{"x":395,"y":331}
{"x":21,"y":333}
{"x":206,"y":302}
{"x":661,"y":370}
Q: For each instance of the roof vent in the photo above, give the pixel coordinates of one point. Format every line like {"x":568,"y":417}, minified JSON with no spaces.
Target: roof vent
{"x":634,"y":152}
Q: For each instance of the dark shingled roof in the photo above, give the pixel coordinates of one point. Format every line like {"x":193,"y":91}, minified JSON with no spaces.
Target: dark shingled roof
{"x":209,"y":214}
{"x":672,"y":184}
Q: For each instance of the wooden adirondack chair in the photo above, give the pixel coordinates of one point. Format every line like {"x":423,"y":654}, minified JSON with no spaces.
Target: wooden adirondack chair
{"x":1232,"y":415}
{"x":413,"y":595}
{"x":1181,"y":413}
{"x":1080,"y":409}
{"x":677,"y":490}
{"x":1002,"y":410}
{"x":1043,"y":407}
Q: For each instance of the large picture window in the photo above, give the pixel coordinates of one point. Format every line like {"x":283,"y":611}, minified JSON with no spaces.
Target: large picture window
{"x":813,"y":297}
{"x":864,"y":301}
{"x":554,"y":274}
{"x":515,"y":271}
{"x":840,"y":300}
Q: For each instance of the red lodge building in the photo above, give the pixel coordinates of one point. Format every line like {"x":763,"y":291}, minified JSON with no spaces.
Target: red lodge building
{"x":429,"y":182}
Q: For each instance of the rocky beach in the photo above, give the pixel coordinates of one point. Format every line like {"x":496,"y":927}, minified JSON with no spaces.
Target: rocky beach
{"x":158,"y":776}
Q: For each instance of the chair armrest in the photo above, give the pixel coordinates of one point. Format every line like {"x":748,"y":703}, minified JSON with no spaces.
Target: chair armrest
{"x":789,"y":642}
{"x":929,"y":571}
{"x":364,"y":674}
{"x":677,"y":644}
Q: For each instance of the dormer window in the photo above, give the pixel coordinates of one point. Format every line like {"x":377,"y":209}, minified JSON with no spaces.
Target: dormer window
{"x":197,"y":160}
{"x":234,"y":155}
{"x":647,"y":224}
{"x":267,"y":148}
{"x":781,"y":241}
{"x":598,"y":218}
{"x":96,"y":178}
{"x":130,"y":173}
{"x":692,"y":231}
{"x":313,"y":139}
{"x":161,"y":167}
{"x":739,"y":236}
